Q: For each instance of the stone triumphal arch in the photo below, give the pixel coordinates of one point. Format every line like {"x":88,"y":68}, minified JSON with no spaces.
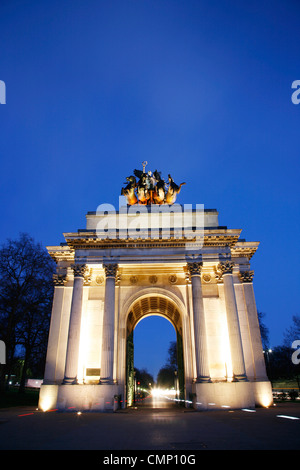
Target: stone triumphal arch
{"x":153,"y":258}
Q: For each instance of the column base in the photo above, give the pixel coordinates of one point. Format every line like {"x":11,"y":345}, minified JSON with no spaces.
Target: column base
{"x":80,"y":397}
{"x":48,"y":397}
{"x":232,"y":395}
{"x":70,"y":381}
{"x":263,"y":393}
{"x":223,"y":395}
{"x":203,"y":380}
{"x":240,"y":378}
{"x":106,"y":382}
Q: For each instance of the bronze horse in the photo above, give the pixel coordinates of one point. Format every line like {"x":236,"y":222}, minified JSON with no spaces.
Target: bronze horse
{"x":172,"y":192}
{"x":129,"y":190}
{"x":159,"y":192}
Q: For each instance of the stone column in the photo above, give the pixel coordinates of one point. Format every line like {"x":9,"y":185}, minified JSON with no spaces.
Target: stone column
{"x":54,"y":331}
{"x":74,"y":325}
{"x":107,"y":355}
{"x":202,"y":367}
{"x":246,"y":278}
{"x":235,"y":340}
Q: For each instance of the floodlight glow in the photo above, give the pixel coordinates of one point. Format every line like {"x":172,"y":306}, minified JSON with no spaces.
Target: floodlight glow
{"x":156,"y":392}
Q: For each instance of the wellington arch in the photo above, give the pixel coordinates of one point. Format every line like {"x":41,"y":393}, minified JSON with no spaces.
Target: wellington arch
{"x":154,"y":257}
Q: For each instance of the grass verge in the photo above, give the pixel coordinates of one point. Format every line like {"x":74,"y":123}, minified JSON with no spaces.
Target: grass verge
{"x":12,"y":397}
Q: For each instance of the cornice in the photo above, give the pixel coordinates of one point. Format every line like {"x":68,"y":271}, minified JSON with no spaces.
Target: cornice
{"x":61,"y":253}
{"x":244,"y":249}
{"x":212,"y":237}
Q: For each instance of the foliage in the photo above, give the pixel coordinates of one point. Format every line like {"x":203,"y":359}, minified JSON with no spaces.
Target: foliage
{"x":280,"y":366}
{"x":280,"y":363}
{"x":264,"y":331}
{"x":166,"y":375}
{"x":293,"y":332}
{"x":26,"y":291}
{"x":143,"y":378}
{"x":12,"y":398}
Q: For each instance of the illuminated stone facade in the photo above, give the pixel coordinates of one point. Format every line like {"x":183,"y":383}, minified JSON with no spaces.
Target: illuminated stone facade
{"x":107,"y":280}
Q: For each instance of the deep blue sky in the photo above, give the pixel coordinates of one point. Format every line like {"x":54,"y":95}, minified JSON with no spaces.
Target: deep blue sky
{"x":200,"y":89}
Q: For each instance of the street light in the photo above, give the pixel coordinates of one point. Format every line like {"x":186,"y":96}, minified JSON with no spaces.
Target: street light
{"x":268,"y":362}
{"x":176,"y":384}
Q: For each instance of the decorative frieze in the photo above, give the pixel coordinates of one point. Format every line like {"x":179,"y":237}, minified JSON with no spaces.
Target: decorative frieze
{"x":99,"y":280}
{"x":172,"y":279}
{"x":133,"y":280}
{"x":153,"y":279}
{"x":206,"y":277}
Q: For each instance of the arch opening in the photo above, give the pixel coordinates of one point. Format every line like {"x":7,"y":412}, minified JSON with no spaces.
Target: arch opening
{"x":142,"y":308}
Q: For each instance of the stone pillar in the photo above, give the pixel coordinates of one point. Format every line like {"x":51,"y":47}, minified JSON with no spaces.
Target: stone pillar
{"x":235,"y":340}
{"x":202,"y":367}
{"x":246,"y":278}
{"x":107,"y":355}
{"x":74,"y":325}
{"x":54,"y":331}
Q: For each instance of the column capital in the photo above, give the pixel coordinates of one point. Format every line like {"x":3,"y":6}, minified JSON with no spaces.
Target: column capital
{"x":195,"y":268}
{"x":79,"y":270}
{"x":59,"y":279}
{"x":111,"y":270}
{"x":224,"y":267}
{"x":246,"y":276}
{"x":87,"y":277}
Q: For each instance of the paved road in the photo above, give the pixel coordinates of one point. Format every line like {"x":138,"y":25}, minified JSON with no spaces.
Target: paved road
{"x":155,"y":403}
{"x":152,"y":425}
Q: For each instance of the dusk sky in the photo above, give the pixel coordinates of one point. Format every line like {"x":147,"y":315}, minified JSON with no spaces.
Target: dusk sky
{"x":199,"y":89}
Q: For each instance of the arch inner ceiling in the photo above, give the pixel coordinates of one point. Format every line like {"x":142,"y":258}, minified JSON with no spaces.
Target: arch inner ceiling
{"x":151,"y":305}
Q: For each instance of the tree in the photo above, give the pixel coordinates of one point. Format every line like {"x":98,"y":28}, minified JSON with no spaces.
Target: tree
{"x":143,"y":378}
{"x":280,"y":364}
{"x":26,"y":291}
{"x":264,"y":331}
{"x":166,"y":375}
{"x":172,"y":355}
{"x":293,"y":332}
